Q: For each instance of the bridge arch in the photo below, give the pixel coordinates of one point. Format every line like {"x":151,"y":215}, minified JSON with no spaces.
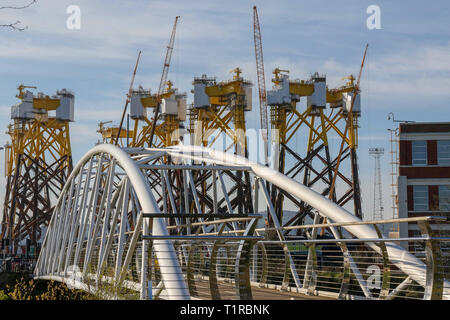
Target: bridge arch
{"x":75,"y":221}
{"x":100,"y":218}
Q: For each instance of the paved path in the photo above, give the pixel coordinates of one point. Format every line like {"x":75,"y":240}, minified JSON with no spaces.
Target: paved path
{"x":227,"y":292}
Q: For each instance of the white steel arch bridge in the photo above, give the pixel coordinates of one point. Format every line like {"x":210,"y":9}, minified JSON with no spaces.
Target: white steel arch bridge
{"x":184,"y":223}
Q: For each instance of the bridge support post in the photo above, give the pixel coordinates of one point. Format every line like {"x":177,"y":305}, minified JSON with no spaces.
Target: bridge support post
{"x":434,"y":284}
{"x":144,"y":262}
{"x":242,"y":266}
{"x":384,"y":290}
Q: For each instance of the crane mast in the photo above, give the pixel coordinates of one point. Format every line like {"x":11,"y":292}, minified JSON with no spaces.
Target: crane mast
{"x":261,"y":82}
{"x":166,"y":65}
{"x":350,"y":127}
{"x":163,"y":80}
{"x":127,"y":101}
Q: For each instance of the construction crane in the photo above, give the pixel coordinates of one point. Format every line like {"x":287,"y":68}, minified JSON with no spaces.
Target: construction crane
{"x":21,"y":94}
{"x":276,"y":73}
{"x":113,"y":134}
{"x":350,"y":127}
{"x":261,"y":82}
{"x":128,"y":99}
{"x":163,"y":80}
{"x":140,"y":100}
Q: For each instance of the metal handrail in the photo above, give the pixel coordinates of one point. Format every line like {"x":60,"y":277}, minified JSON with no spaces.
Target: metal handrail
{"x":200,"y":215}
{"x":371,"y":222}
{"x":357,"y":240}
{"x":342,"y":224}
{"x":392,"y":285}
{"x":200,"y":237}
{"x":192,"y":167}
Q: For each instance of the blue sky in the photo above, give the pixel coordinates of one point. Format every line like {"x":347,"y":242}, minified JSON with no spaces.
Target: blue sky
{"x":407,"y":69}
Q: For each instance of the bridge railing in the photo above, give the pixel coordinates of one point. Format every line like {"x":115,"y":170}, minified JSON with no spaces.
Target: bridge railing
{"x":126,"y":219}
{"x":357,"y":272}
{"x":346,"y":268}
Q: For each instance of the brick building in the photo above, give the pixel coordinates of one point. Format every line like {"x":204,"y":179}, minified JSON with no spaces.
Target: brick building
{"x":424,"y":173}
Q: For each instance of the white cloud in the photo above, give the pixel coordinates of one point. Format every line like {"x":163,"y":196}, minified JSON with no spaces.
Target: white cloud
{"x":21,"y":49}
{"x":82,"y":132}
{"x":414,"y":73}
{"x":109,"y":31}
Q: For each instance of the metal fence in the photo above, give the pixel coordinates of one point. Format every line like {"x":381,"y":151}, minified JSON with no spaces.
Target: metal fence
{"x":238,"y":265}
{"x":12,"y":264}
{"x":345,"y":268}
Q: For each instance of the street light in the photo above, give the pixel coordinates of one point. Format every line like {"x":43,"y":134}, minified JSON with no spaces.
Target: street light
{"x":394,"y":120}
{"x":1,"y":148}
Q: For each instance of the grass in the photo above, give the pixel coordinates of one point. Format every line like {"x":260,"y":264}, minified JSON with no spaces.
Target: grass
{"x":20,"y":286}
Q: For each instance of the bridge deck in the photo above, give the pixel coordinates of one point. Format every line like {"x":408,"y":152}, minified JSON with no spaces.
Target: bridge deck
{"x":227,"y":292}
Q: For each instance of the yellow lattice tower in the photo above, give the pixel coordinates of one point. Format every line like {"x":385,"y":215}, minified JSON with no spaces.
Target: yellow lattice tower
{"x":220,"y":108}
{"x":219,"y":111}
{"x":317,"y":123}
{"x":38,"y":162}
{"x":109,"y":134}
{"x":168,"y":129}
{"x":173,"y":114}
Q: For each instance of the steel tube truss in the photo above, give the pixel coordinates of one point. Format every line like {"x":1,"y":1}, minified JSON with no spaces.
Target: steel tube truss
{"x":38,"y":163}
{"x":121,"y":226}
{"x":97,"y":224}
{"x":316,"y":167}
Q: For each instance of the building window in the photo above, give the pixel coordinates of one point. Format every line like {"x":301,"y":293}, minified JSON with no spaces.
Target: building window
{"x":444,"y":198}
{"x":443,"y":149}
{"x":419,"y":153}
{"x":420,"y":195}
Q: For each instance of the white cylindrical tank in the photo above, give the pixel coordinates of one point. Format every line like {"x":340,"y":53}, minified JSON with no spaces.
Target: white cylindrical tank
{"x":65,"y":111}
{"x":169,"y":106}
{"x":319,"y":97}
{"x":137,"y":110}
{"x":347,"y":103}
{"x":280,"y":95}
{"x":181,"y":106}
{"x":248,"y":98}
{"x":24,"y":110}
{"x":201,"y":99}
